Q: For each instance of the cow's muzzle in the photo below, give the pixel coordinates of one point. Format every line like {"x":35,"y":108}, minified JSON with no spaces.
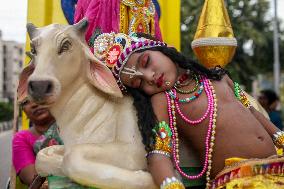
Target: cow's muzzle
{"x":40,"y":90}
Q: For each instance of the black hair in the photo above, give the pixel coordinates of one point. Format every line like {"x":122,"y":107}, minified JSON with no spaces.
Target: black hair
{"x":142,"y":102}
{"x":187,"y":63}
{"x":270,"y":95}
{"x":146,"y":116}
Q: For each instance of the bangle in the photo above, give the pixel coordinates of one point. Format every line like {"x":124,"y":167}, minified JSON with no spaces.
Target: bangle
{"x":172,"y":183}
{"x":278,"y":139}
{"x":158,"y":152}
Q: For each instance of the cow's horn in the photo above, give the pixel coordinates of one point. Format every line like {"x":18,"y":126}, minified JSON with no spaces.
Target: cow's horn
{"x":32,"y":30}
{"x":82,"y":25}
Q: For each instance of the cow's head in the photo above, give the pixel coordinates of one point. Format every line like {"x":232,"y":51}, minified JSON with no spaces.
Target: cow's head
{"x":61,"y":56}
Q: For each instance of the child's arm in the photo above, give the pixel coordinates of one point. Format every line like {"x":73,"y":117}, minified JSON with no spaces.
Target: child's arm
{"x":160,"y":168}
{"x":159,"y":159}
{"x":276,"y":134}
{"x":268,"y":125}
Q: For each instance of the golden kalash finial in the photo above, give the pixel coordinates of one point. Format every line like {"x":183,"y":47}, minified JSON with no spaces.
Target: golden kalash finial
{"x":214,"y":43}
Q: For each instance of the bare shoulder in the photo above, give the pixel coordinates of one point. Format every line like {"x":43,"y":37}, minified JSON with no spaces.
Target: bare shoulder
{"x":160,"y":106}
{"x":228,"y":80}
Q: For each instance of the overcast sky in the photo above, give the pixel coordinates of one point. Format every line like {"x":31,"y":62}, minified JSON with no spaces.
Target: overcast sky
{"x":13,"y":15}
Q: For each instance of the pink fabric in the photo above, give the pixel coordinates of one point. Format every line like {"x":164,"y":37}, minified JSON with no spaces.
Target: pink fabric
{"x":158,"y":33}
{"x":105,"y":15}
{"x":22,"y":149}
{"x":100,"y":13}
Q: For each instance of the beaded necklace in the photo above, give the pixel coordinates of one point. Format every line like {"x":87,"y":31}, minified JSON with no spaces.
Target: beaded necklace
{"x":179,"y":83}
{"x":173,"y":95}
{"x":210,"y":137}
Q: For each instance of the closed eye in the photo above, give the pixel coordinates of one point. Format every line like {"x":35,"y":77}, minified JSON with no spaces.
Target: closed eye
{"x":144,"y":64}
{"x":65,"y":46}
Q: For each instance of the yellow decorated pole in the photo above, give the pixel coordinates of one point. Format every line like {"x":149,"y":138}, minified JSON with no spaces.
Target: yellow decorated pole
{"x":170,"y":21}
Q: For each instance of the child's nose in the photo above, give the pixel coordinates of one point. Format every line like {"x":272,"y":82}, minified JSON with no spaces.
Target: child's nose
{"x":149,"y":77}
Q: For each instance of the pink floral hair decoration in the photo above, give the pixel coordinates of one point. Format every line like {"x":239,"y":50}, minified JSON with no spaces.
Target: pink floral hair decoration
{"x":114,"y":49}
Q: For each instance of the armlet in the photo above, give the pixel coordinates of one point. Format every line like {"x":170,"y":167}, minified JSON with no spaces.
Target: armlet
{"x":163,"y":140}
{"x":241,"y":96}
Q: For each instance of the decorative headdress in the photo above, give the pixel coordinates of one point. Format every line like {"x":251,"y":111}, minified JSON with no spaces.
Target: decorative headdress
{"x":214,"y":43}
{"x":114,"y":49}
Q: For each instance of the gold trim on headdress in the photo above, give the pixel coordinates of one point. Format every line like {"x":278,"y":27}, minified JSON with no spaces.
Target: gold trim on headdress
{"x":214,"y":43}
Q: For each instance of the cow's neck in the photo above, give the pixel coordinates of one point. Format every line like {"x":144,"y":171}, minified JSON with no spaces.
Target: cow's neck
{"x":73,"y":100}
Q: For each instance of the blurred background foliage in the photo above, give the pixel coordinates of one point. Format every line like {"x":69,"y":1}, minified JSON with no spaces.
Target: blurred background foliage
{"x":253,"y":28}
{"x":6,"y":111}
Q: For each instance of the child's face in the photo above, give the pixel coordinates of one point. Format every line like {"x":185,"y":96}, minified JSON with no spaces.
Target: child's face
{"x":159,"y":73}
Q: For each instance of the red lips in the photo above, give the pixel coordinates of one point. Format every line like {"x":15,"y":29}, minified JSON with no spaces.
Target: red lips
{"x":160,"y":81}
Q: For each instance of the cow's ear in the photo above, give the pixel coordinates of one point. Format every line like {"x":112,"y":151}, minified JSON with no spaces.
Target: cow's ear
{"x":101,"y":76}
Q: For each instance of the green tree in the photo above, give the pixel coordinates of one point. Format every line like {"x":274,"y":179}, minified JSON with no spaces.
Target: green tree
{"x":253,"y":30}
{"x":6,"y":111}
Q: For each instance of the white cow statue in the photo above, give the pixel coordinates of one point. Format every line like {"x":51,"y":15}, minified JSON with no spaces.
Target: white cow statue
{"x":102,"y":144}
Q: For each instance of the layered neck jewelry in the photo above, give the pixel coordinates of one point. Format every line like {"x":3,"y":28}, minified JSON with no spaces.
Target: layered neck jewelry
{"x":180,"y":83}
{"x":173,"y":105}
{"x":173,"y":95}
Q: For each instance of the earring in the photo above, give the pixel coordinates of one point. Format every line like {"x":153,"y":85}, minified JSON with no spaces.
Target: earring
{"x":167,"y":83}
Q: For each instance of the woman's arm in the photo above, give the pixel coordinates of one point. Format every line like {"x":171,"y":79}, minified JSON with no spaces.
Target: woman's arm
{"x":27,"y":174}
{"x":23,"y":157}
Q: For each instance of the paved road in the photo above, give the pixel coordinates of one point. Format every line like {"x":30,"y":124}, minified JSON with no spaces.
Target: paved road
{"x":5,"y":156}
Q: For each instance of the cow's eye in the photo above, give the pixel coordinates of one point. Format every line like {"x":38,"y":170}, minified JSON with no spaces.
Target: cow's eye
{"x":64,"y":47}
{"x":33,"y":50}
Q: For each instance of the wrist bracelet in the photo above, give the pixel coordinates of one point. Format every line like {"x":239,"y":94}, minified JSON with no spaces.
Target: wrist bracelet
{"x":278,"y":139}
{"x":172,"y":183}
{"x":159,"y":152}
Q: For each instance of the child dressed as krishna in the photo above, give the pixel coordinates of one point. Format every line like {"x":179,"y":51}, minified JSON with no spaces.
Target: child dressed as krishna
{"x":178,"y":100}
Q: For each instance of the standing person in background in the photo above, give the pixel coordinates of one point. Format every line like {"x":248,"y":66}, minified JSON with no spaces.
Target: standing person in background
{"x":269,"y":100}
{"x":42,"y":133}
